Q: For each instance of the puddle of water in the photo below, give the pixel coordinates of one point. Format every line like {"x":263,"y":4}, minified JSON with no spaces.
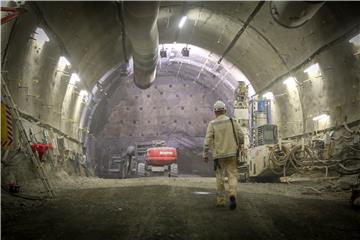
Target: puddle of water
{"x":203,"y":193}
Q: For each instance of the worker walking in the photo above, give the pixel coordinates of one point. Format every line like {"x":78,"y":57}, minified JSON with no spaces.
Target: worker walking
{"x":223,"y":139}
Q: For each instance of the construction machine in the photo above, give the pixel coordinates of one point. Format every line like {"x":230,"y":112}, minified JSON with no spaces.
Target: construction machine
{"x":156,"y":159}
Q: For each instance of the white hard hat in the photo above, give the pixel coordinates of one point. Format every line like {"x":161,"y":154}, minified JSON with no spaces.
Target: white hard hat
{"x":219,"y":105}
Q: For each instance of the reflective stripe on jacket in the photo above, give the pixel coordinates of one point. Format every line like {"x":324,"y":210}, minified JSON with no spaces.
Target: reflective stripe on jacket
{"x":220,"y":139}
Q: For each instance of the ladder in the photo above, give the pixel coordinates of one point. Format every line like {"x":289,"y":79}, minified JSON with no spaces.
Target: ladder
{"x":23,"y":138}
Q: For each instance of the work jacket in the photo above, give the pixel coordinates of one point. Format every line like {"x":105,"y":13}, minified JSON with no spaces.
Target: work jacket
{"x":220,"y":139}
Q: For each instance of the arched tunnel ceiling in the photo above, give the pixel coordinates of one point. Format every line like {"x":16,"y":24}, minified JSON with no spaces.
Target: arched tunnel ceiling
{"x":96,"y":28}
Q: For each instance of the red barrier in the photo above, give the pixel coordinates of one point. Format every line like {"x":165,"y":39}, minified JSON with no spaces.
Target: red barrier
{"x":41,"y":149}
{"x":14,"y":13}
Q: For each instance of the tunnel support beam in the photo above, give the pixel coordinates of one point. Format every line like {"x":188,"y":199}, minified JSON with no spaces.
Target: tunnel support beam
{"x":242,"y":30}
{"x":141,"y":27}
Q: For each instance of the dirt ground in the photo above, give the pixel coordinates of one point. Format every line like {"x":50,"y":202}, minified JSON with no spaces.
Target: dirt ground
{"x":180,"y":208}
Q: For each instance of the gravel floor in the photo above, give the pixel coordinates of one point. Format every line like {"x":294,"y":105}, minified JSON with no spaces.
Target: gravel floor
{"x":180,"y":208}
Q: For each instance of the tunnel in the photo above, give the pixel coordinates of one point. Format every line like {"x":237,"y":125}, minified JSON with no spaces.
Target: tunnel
{"x":107,"y":107}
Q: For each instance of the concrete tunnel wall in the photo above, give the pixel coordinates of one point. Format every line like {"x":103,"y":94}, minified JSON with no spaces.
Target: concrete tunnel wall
{"x":89,"y":35}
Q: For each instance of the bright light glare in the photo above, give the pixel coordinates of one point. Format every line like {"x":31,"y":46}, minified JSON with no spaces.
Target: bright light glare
{"x":355,"y":40}
{"x":290,"y":82}
{"x":313,"y":70}
{"x":321,"y":117}
{"x":83,"y":93}
{"x":172,"y":53}
{"x":268,"y":95}
{"x":63,"y":62}
{"x":74,"y":78}
{"x":202,"y":193}
{"x":182,"y":21}
{"x":41,"y":37}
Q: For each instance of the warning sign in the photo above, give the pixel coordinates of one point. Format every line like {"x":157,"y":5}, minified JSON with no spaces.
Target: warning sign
{"x":7,"y":132}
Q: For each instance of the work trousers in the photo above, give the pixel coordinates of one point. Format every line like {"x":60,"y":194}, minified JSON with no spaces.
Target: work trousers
{"x":226,"y":165}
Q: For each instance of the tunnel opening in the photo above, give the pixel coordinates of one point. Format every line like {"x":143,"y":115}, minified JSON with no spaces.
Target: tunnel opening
{"x":176,"y":109}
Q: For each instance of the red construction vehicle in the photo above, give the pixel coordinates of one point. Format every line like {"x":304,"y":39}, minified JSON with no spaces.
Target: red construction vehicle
{"x":161,"y":156}
{"x":155,"y":159}
{"x":161,"y":160}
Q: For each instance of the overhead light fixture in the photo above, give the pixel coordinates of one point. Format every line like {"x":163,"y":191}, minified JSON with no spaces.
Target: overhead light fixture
{"x":290,"y":81}
{"x":185,"y":52}
{"x":268,"y":95}
{"x":355,"y":40}
{"x":313,"y":70}
{"x":84,"y":94}
{"x":63,"y":62}
{"x":41,"y":37}
{"x":172,"y":53}
{"x":321,"y":117}
{"x":74,"y":78}
{"x":163,"y":53}
{"x":182,"y":21}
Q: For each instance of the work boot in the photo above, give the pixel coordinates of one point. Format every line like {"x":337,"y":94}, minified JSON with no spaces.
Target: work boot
{"x":232,"y":203}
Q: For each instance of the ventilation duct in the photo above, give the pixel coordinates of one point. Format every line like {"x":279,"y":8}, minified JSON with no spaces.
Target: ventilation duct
{"x":140,"y":22}
{"x":293,"y":14}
